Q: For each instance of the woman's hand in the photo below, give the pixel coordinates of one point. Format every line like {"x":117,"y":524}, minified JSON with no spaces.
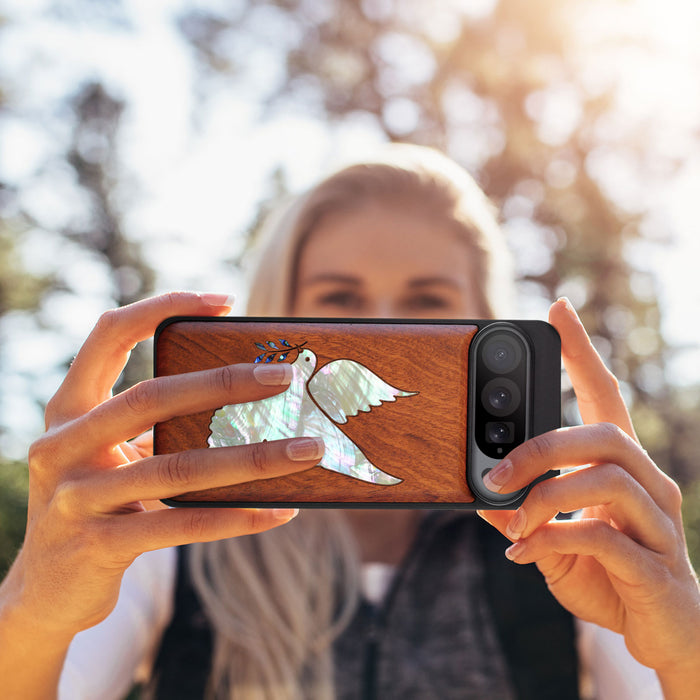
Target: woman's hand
{"x":88,"y":514}
{"x":623,"y":564}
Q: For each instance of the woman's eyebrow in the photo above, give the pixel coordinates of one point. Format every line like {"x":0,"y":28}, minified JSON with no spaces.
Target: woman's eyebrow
{"x":334,"y":278}
{"x":433,"y":281}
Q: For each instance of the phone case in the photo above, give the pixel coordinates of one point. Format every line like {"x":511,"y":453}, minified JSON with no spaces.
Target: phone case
{"x":390,"y":399}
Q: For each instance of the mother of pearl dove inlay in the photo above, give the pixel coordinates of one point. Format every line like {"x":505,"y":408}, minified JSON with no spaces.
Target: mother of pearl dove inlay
{"x":312,"y":405}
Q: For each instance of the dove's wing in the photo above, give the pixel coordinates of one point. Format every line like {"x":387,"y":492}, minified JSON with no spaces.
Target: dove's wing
{"x":274,"y":418}
{"x":343,"y":388}
{"x":342,"y":455}
{"x":245,"y":423}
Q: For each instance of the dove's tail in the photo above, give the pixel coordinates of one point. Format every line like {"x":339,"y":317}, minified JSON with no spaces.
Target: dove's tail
{"x":366,"y":471}
{"x":402,"y":394}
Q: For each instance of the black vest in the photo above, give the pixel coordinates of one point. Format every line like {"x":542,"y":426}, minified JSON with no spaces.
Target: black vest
{"x":534,"y":635}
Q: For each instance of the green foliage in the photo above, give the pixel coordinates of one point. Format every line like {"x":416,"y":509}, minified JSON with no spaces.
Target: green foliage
{"x":691,"y":521}
{"x":18,"y":289}
{"x":14,"y":483}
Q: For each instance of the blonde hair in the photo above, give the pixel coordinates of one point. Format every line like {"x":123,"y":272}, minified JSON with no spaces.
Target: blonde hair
{"x":277,"y":600}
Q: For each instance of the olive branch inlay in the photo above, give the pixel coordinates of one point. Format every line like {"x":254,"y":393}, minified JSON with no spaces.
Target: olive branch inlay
{"x":274,"y":353}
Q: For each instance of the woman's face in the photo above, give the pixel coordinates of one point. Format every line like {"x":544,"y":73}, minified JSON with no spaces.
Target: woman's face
{"x":385,"y":261}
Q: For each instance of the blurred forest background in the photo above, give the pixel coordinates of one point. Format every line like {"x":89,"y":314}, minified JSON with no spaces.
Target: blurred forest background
{"x":139,"y":143}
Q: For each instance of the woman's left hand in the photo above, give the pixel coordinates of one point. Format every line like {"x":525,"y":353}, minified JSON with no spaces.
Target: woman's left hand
{"x":623,"y":564}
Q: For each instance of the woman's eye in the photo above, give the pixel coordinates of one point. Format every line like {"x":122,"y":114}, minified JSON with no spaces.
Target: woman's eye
{"x":341,"y":300}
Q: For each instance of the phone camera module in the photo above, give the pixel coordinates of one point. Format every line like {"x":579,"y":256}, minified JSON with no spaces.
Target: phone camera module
{"x":507,"y":382}
{"x":501,"y":396}
{"x":500,"y":432}
{"x":502,"y":353}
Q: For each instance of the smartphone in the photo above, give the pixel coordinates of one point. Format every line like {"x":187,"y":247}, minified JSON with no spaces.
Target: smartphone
{"x":413,"y":413}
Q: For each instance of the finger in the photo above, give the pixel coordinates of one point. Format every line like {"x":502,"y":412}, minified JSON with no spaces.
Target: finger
{"x":155,"y":400}
{"x":497,"y":518}
{"x":138,"y":448}
{"x":596,"y":388}
{"x":156,"y":529}
{"x":166,"y":476}
{"x":143,"y":444}
{"x":105,"y":352}
{"x":580,"y":445}
{"x":614,"y":550}
{"x":606,"y":486}
{"x":131,"y":452}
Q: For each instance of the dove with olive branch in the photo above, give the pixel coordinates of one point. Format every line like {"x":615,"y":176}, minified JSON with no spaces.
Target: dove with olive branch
{"x":316,"y":402}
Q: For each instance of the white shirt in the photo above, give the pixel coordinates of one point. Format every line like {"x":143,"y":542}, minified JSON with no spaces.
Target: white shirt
{"x":104,"y":661}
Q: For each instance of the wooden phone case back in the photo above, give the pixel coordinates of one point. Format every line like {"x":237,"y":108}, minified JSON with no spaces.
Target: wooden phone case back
{"x":389,"y":399}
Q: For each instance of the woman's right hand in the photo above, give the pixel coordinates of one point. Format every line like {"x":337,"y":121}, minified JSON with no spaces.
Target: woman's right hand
{"x":88,"y":516}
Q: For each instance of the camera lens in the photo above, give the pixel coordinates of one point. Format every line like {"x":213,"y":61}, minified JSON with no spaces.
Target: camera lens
{"x":502,"y":353}
{"x":499,"y":432}
{"x":500,"y":396}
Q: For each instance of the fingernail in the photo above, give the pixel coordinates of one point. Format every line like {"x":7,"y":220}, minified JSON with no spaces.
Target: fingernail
{"x":499,"y":476}
{"x":306,"y":448}
{"x":569,"y":306}
{"x":273,"y":375}
{"x":285,"y":513}
{"x":517,"y":525}
{"x":218,"y":299}
{"x":515,"y":550}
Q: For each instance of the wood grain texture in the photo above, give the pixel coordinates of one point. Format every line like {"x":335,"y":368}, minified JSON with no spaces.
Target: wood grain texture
{"x":419,"y":439}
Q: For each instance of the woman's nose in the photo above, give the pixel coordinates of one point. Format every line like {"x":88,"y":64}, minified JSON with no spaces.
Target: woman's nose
{"x":385,"y":308}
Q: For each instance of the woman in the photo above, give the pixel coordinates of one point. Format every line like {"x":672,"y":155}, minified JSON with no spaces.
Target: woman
{"x":411,"y":237}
